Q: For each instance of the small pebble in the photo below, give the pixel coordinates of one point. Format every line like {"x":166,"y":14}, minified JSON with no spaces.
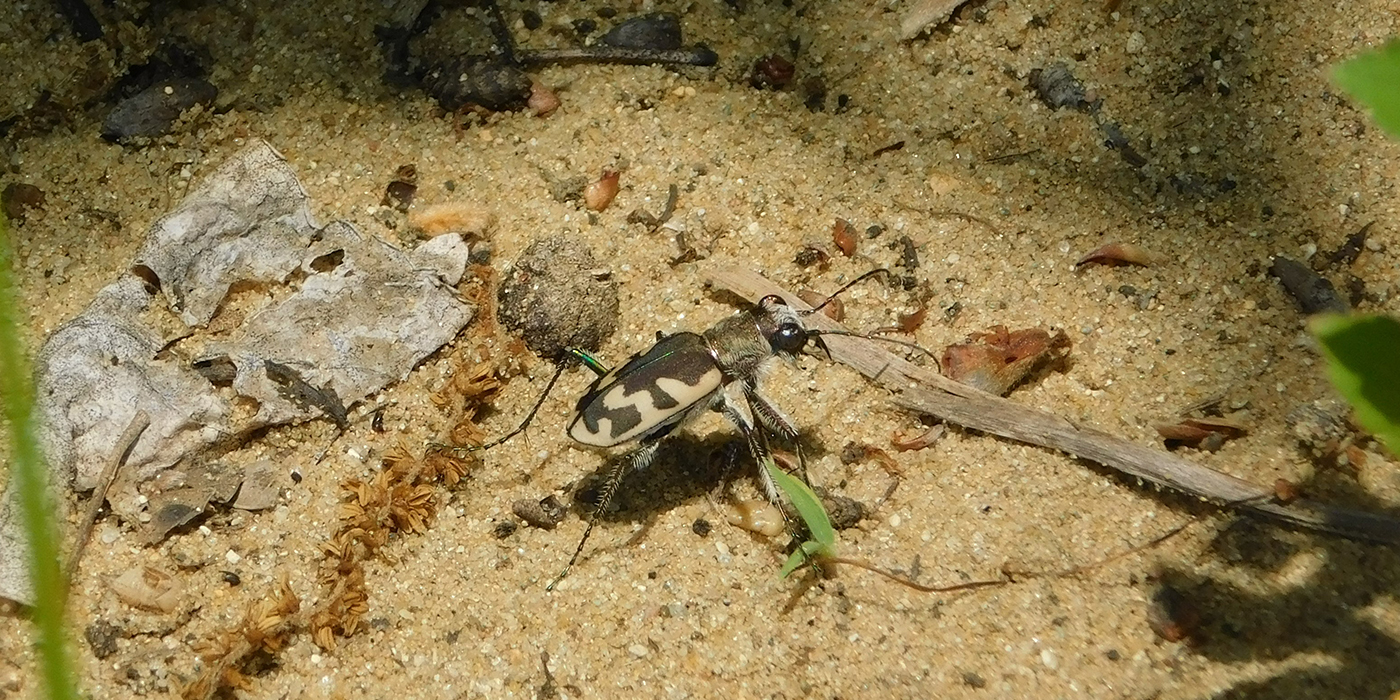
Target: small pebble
{"x":232,"y":557}
{"x":725,"y":556}
{"x":660,"y":31}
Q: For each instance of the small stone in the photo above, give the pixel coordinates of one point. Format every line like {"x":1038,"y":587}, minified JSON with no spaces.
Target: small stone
{"x":232,"y":557}
{"x":154,"y":111}
{"x":660,"y":30}
{"x":1136,"y":43}
{"x":637,"y":650}
{"x":102,"y":637}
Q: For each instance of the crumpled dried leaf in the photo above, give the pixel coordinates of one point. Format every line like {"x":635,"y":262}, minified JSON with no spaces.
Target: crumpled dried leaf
{"x":235,"y":226}
{"x":998,"y":360}
{"x":364,"y":314}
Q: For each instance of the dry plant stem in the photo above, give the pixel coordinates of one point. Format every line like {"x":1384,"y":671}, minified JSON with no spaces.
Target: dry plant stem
{"x":693,"y":56}
{"x":920,"y":390}
{"x":969,"y":586}
{"x":120,"y":450}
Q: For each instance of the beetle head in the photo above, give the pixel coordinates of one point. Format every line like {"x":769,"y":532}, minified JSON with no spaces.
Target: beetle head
{"x":781,"y":325}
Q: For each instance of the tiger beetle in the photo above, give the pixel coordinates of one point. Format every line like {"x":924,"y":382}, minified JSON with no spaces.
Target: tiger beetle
{"x":682,"y":376}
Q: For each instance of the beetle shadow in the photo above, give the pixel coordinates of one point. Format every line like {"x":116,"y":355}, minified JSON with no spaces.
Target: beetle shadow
{"x":686,"y":468}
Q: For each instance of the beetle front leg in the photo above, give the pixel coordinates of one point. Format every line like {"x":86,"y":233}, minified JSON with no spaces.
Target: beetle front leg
{"x":772,"y":418}
{"x":758,"y":447}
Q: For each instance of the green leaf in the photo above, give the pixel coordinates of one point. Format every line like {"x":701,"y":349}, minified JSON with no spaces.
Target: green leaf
{"x":1373,"y":78}
{"x":807,"y":504}
{"x":1363,"y":359}
{"x":809,"y":508}
{"x":806,"y":552}
{"x":29,"y":474}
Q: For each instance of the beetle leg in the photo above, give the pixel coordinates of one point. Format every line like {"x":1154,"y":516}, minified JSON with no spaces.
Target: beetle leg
{"x":637,"y":459}
{"x":768,"y":415}
{"x":758,"y":447}
{"x":772,"y":418}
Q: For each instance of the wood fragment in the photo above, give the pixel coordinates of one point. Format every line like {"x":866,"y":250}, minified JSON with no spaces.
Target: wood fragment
{"x":121,"y":449}
{"x":920,"y":390}
{"x":926,"y":13}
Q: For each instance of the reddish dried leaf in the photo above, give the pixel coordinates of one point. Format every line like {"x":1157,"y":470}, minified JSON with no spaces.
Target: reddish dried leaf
{"x":1206,"y":433}
{"x":906,"y":443}
{"x":833,"y":309}
{"x":1172,"y":616}
{"x":910,"y":322}
{"x":1286,"y":491}
{"x":1121,"y":254}
{"x":1185,"y":434}
{"x":844,"y":236}
{"x":998,"y":360}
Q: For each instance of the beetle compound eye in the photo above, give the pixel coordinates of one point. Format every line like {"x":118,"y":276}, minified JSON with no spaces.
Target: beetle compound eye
{"x":790,"y":338}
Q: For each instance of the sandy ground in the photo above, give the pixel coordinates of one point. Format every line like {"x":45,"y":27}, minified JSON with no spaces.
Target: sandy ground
{"x":1249,"y":153}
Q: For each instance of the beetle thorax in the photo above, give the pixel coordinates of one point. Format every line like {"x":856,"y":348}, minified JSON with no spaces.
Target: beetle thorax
{"x":744,"y":341}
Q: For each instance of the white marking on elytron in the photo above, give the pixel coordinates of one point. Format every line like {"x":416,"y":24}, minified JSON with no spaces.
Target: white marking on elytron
{"x":685,"y":395}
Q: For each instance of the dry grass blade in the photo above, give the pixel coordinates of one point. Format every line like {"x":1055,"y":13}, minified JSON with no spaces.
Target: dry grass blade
{"x":921,"y":390}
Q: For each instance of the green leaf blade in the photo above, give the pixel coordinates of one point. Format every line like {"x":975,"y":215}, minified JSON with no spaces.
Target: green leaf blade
{"x":1373,"y":78}
{"x":1363,"y":360}
{"x":808,"y":506}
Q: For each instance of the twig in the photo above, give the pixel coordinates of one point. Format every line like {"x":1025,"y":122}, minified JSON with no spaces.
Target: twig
{"x":121,"y":449}
{"x":920,"y":390}
{"x":689,"y":56}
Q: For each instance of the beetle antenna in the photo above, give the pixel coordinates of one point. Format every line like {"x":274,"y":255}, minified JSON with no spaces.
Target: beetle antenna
{"x":562,"y":363}
{"x":848,"y":285}
{"x":912,"y":346}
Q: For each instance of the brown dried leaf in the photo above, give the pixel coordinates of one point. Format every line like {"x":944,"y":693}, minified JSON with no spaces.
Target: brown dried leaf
{"x":834,"y":309}
{"x":1207,"y":433}
{"x":844,"y":236}
{"x":1121,"y":254}
{"x":1172,"y":616}
{"x":908,"y":443}
{"x":998,"y":360}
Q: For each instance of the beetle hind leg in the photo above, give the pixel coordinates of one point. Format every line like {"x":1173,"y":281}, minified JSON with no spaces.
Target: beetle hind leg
{"x":637,"y":459}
